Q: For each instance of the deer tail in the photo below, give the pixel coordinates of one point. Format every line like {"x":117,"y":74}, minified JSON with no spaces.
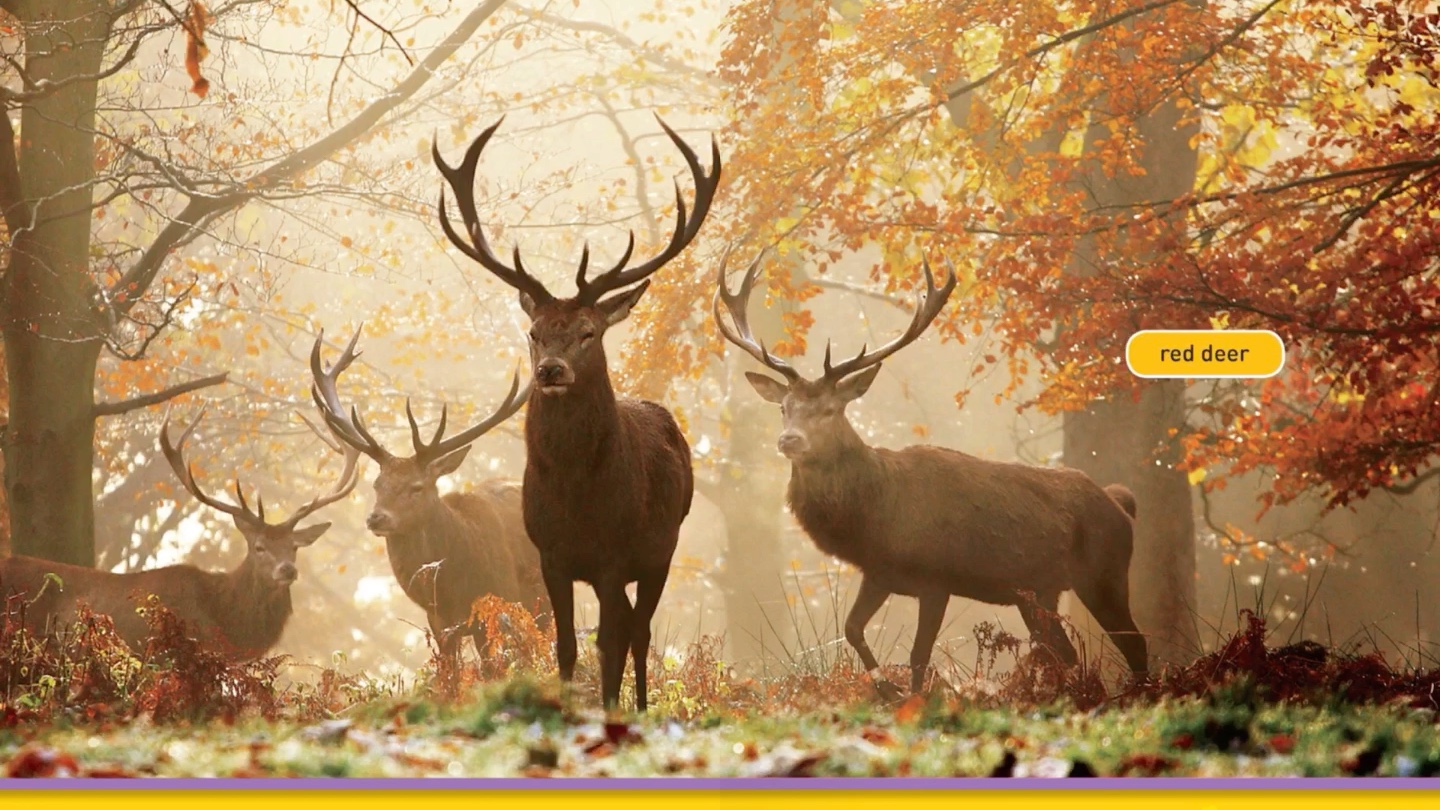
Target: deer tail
{"x":1123,"y":497}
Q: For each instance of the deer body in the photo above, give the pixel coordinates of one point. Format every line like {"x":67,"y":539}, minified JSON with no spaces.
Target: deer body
{"x":614,"y":480}
{"x":445,"y":551}
{"x":926,"y":519}
{"x":930,"y":522}
{"x":239,"y":612}
{"x":607,"y":481}
{"x":464,"y":549}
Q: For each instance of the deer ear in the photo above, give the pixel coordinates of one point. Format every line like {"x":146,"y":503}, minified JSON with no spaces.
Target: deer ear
{"x":856,"y":386}
{"x":527,"y":304}
{"x":447,"y":464}
{"x":617,"y":307}
{"x":769,"y":390}
{"x":309,"y":534}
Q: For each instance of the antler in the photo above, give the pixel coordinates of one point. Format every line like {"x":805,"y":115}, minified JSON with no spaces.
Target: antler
{"x":349,"y":477}
{"x":346,"y":428}
{"x":737,"y":304}
{"x":436,"y":448}
{"x":351,"y":430}
{"x":927,"y":305}
{"x":175,"y":455}
{"x":461,"y":180}
{"x":685,"y":226}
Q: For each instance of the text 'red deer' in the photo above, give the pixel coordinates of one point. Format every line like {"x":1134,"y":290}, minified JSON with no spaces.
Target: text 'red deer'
{"x":241,"y":613}
{"x":445,"y":552}
{"x":607,"y":481}
{"x":930,"y":522}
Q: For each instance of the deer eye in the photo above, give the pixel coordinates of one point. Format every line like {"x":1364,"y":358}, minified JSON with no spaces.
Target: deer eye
{"x":416,"y":489}
{"x":587,"y":337}
{"x":534,"y":337}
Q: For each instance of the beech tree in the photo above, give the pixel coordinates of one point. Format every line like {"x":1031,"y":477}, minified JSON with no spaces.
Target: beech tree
{"x":1096,"y":168}
{"x":64,"y":305}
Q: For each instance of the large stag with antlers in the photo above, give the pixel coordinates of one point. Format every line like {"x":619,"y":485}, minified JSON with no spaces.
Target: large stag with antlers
{"x":241,"y":612}
{"x":446,"y":552}
{"x":607,"y":481}
{"x":931,"y":522}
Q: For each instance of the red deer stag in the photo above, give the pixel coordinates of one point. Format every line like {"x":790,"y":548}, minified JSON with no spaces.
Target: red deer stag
{"x":930,"y":522}
{"x":607,"y":480}
{"x":242,"y":612}
{"x":445,"y":552}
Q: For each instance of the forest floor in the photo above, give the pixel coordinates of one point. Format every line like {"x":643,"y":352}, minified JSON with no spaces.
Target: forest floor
{"x":88,"y":708}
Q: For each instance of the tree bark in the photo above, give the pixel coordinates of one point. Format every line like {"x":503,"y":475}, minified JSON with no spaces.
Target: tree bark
{"x":751,"y":494}
{"x":53,"y":328}
{"x":52,"y":338}
{"x":1128,"y":442}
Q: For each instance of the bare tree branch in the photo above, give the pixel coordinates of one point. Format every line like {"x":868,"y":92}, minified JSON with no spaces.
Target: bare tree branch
{"x":1068,"y":36}
{"x":127,"y":405}
{"x":355,"y":7}
{"x":648,"y":52}
{"x":1415,"y":483}
{"x":845,"y":286}
{"x":44,"y":87}
{"x":131,"y":287}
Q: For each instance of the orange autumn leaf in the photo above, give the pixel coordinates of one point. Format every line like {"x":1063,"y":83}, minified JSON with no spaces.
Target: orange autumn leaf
{"x":196,"y":49}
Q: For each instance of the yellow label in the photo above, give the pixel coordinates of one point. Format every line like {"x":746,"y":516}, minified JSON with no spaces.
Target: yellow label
{"x":1195,"y":353}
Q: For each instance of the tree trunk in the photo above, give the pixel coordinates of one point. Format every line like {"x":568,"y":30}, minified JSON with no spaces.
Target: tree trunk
{"x":1126,"y":442}
{"x":751,"y":494}
{"x":52,"y":336}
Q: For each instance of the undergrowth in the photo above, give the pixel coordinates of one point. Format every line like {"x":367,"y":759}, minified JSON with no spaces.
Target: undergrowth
{"x":85,"y":674}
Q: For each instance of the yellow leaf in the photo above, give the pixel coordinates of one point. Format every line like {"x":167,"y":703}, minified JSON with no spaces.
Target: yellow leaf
{"x":1196,"y":476}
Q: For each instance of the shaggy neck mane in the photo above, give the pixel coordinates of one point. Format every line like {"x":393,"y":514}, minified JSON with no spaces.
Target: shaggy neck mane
{"x":575,"y":426}
{"x":441,"y":537}
{"x":849,"y":470}
{"x":835,"y":494}
{"x":250,"y":612}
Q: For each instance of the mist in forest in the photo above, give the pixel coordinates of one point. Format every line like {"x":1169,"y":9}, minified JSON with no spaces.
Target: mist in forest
{"x":578,"y":160}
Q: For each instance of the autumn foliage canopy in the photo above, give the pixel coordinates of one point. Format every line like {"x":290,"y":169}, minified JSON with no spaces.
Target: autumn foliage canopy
{"x":979,"y":130}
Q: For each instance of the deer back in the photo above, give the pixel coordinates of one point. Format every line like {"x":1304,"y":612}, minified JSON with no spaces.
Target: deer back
{"x":226,"y":610}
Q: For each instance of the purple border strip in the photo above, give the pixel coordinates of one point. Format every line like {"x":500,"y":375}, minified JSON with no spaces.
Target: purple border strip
{"x":732,"y":783}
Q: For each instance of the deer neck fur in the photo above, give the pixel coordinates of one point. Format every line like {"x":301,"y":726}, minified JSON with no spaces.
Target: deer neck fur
{"x":248,"y":611}
{"x":566,"y":432}
{"x":427,"y":543}
{"x":837,"y":494}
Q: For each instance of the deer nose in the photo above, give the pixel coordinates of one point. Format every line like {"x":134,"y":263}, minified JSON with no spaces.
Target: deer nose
{"x":286,"y":573}
{"x":791,"y":443}
{"x":377,"y":521}
{"x":550,"y":372}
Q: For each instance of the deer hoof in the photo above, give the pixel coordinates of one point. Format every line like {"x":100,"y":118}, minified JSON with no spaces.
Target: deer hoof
{"x":888,"y":691}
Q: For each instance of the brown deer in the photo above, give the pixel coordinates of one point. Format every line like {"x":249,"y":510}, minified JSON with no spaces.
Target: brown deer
{"x":607,"y":481}
{"x":931,"y":522}
{"x":445,"y":552}
{"x":241,"y":613}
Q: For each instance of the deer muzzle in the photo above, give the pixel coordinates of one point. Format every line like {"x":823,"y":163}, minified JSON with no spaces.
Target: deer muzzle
{"x":379,"y":522}
{"x":792,"y":443}
{"x":554,"y":375}
{"x":286,"y":573}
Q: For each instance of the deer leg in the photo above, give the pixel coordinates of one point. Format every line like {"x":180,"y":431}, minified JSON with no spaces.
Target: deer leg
{"x":561,"y":591}
{"x":614,"y":637}
{"x":1110,"y":605}
{"x":647,"y":598}
{"x":1044,"y":625}
{"x":867,"y":604}
{"x":932,"y":614}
